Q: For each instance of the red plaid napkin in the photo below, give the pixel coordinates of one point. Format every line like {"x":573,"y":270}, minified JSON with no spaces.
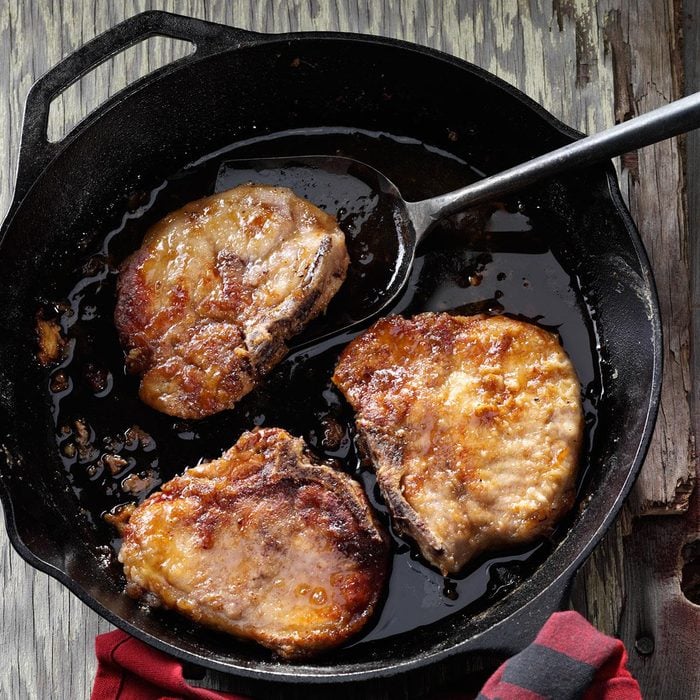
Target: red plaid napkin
{"x":568,"y":660}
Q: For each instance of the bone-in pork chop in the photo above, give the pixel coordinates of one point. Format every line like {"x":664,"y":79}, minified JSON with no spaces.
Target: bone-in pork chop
{"x":262,"y":544}
{"x":206,"y":305}
{"x":473,"y":424}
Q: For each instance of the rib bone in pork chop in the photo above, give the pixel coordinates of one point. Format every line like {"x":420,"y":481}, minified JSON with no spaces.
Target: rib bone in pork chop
{"x":262,"y":544}
{"x":474,"y":427}
{"x":206,"y":305}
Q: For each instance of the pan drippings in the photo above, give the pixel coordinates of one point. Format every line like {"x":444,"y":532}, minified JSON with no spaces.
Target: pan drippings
{"x":492,"y":259}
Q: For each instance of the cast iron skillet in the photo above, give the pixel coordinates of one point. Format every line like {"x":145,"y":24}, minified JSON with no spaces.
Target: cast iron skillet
{"x":238,"y":84}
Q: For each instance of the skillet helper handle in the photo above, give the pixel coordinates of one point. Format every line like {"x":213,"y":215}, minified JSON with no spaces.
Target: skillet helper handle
{"x":36,"y":151}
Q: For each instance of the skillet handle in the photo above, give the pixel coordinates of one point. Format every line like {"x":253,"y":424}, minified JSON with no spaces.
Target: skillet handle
{"x":36,"y":151}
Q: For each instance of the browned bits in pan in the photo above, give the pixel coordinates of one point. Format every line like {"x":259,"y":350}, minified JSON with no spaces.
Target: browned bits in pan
{"x":50,"y":341}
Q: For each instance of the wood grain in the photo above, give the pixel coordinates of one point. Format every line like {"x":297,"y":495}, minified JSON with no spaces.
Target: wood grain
{"x":591,"y":64}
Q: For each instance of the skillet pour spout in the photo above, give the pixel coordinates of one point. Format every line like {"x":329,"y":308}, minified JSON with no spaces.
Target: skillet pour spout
{"x":71,"y":193}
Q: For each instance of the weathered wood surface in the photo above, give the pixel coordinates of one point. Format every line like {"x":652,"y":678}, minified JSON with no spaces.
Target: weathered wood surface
{"x":590,"y":63}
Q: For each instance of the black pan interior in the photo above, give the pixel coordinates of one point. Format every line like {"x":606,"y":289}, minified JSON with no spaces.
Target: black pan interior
{"x":310,"y":83}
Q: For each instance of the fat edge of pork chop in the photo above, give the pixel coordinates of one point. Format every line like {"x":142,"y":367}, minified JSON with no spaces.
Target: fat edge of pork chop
{"x":473,"y":425}
{"x":262,"y":544}
{"x":206,"y":305}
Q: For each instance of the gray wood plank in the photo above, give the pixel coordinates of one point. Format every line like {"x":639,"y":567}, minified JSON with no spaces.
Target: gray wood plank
{"x":588,"y":62}
{"x":691,"y":33}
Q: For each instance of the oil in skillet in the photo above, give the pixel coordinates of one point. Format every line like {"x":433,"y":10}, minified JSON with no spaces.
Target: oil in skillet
{"x":497,"y":259}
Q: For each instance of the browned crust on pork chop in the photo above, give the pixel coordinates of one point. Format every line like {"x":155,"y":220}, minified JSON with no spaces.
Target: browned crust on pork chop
{"x":473,"y":424}
{"x":207,"y":304}
{"x":262,"y":544}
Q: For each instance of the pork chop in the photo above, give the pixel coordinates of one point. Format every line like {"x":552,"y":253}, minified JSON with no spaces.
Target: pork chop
{"x":206,"y":305}
{"x":473,"y":424}
{"x":262,"y":544}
